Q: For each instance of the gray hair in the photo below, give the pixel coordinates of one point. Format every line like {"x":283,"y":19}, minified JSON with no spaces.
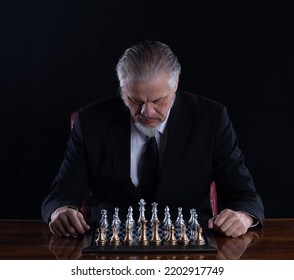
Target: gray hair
{"x":145,"y":60}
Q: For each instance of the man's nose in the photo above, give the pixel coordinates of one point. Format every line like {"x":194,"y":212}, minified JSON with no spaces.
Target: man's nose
{"x":147,"y":110}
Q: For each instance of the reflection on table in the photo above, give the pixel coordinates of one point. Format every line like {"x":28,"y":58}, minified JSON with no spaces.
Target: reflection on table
{"x":31,"y":239}
{"x":228,"y":248}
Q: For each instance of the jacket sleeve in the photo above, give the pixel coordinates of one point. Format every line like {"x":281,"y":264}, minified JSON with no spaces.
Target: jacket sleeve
{"x":235,"y":186}
{"x":70,"y":186}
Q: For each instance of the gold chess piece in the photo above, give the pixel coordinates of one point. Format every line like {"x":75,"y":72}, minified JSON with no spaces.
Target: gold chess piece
{"x":101,"y":239}
{"x":171,"y":238}
{"x":115,"y":238}
{"x":143,"y":240}
{"x":155,"y":235}
{"x":199,"y":240}
{"x":183,"y":238}
{"x":129,"y":236}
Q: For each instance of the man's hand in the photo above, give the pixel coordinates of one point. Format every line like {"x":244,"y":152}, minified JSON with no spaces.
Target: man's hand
{"x":66,"y":221}
{"x":231,"y":223}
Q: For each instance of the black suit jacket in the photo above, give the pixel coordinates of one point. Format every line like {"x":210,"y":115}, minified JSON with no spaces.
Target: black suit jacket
{"x":201,"y":147}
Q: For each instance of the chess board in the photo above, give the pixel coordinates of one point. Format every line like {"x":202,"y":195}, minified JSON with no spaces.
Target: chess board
{"x":209,"y":244}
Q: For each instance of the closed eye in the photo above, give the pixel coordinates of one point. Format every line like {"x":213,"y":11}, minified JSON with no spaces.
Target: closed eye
{"x":135,"y":102}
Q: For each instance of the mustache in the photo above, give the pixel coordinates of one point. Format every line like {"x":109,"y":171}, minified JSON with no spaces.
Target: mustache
{"x":143,"y":118}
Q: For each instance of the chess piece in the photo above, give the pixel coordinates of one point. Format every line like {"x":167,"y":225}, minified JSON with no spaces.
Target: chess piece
{"x":199,"y":240}
{"x":141,"y":210}
{"x":116,"y":220}
{"x":183,"y":238}
{"x":154,"y":213}
{"x":180,"y":220}
{"x":167,"y":218}
{"x":101,"y":239}
{"x":103,"y":221}
{"x":143,"y":240}
{"x":171,"y":238}
{"x":193,"y":221}
{"x":130,"y":220}
{"x":129,"y":235}
{"x":115,"y":238}
{"x":155,"y":234}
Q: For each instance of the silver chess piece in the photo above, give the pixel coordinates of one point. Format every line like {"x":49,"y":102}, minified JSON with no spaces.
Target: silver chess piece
{"x":193,"y":221}
{"x":142,"y":204}
{"x":115,"y":225}
{"x":167,"y":218}
{"x":116,"y":220}
{"x":130,"y":220}
{"x":180,"y":220}
{"x":104,"y":221}
{"x":154,"y":210}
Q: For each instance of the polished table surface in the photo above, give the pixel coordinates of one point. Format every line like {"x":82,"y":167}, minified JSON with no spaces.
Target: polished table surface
{"x":32,"y":240}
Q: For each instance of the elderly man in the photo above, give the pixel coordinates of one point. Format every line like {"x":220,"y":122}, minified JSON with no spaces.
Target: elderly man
{"x":190,"y":139}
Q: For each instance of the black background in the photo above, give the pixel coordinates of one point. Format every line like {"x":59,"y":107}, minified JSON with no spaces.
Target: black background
{"x":57,"y":56}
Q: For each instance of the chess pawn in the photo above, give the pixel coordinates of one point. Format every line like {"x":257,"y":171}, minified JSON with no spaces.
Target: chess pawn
{"x":143,"y":240}
{"x":129,"y":235}
{"x":171,"y":238}
{"x":101,"y":239}
{"x":115,"y":238}
{"x":155,"y":235}
{"x":199,"y":240}
{"x":183,"y":238}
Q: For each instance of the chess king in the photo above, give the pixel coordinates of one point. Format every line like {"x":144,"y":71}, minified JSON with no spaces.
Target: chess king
{"x":156,"y":142}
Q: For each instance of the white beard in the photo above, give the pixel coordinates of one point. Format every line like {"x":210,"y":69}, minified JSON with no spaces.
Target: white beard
{"x":148,"y":131}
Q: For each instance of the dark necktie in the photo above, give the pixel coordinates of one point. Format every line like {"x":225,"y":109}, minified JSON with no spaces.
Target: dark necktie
{"x":150,"y":170}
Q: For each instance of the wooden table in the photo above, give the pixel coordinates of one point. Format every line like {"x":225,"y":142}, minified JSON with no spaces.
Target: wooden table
{"x":32,"y":240}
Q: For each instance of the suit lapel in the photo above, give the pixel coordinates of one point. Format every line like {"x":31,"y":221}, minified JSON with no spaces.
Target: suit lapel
{"x":119,"y":134}
{"x":179,"y":127}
